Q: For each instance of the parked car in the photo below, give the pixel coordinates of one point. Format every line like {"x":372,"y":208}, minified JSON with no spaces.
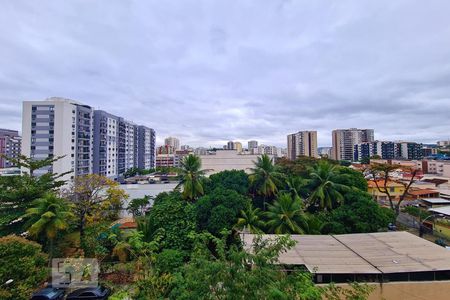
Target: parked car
{"x":48,"y":293}
{"x":90,"y":293}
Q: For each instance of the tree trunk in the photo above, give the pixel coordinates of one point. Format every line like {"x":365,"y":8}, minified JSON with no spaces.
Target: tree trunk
{"x":82,"y":225}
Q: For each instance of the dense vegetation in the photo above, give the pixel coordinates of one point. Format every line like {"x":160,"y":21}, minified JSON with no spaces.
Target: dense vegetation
{"x":186,"y":246}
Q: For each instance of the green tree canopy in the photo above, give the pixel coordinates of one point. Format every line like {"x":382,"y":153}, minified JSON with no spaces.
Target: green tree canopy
{"x":48,"y":216}
{"x":219,"y":209}
{"x":24,"y":262}
{"x":229,"y":179}
{"x":251,"y":219}
{"x":286,"y":215}
{"x":265,"y":178}
{"x":170,"y":221}
{"x":191,"y":177}
{"x":326,"y":192}
{"x":358,"y":214}
{"x":17,"y":193}
{"x":350,"y":178}
{"x":137,"y":206}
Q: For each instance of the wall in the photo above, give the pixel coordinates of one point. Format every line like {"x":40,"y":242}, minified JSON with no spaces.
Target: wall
{"x":435,"y":290}
{"x":227,"y":160}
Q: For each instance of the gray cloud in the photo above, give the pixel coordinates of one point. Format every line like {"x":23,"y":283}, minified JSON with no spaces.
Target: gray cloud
{"x":213,"y":71}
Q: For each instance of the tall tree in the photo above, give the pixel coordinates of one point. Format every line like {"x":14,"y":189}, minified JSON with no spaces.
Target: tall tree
{"x":219,"y":210}
{"x":250,"y":219}
{"x":137,"y":206}
{"x":95,"y":198}
{"x":295,"y":186}
{"x":385,"y":173}
{"x":48,"y":216}
{"x":326,"y":192}
{"x":264,"y":177}
{"x":17,"y":193}
{"x":286,"y":215}
{"x":29,"y":165}
{"x":191,"y":177}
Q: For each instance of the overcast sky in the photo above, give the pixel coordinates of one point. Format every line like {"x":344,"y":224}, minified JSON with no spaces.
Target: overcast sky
{"x":212,"y":71}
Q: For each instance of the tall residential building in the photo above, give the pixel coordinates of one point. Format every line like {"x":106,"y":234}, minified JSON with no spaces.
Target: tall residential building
{"x":252,"y":145}
{"x":92,"y":141}
{"x":106,"y":144}
{"x":172,"y":141}
{"x":238,"y":146}
{"x":230,"y":145}
{"x":10,"y":143}
{"x":409,"y":150}
{"x":146,"y":148}
{"x":128,"y":151}
{"x":302,"y":143}
{"x":265,"y":149}
{"x":384,"y":149}
{"x":344,"y":141}
{"x":59,"y":127}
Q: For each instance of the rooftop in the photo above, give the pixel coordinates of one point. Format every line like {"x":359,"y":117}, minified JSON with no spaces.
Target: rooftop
{"x":371,"y":183}
{"x":436,"y":200}
{"x":364,"y":253}
{"x":423,"y":192}
{"x":445,"y":210}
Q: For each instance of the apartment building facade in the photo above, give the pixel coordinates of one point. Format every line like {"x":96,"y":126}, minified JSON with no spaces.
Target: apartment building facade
{"x":344,"y":141}
{"x":252,"y":145}
{"x":383,"y":149}
{"x":59,"y":127}
{"x":10,"y":145}
{"x":90,"y":141}
{"x":302,"y":143}
{"x":146,"y":140}
{"x":173,"y":142}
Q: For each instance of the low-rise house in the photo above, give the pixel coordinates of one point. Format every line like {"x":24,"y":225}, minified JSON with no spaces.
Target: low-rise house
{"x":377,"y":189}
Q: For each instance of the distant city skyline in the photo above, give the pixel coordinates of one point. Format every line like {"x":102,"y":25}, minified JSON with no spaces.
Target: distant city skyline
{"x":212,"y":72}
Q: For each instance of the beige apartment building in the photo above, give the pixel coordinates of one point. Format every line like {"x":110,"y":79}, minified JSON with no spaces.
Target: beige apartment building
{"x":302,"y":143}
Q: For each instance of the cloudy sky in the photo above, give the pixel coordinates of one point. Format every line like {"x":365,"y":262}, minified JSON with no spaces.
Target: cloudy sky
{"x":212,"y":71}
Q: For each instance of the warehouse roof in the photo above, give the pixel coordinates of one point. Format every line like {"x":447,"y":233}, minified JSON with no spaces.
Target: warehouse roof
{"x":436,"y":200}
{"x":445,"y":210}
{"x":365,"y":253}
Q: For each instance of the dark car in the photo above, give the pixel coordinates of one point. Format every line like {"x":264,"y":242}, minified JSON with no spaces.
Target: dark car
{"x":97,"y":293}
{"x":48,"y":293}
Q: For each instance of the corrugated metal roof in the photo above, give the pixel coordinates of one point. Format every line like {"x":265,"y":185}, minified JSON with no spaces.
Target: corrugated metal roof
{"x":445,"y":210}
{"x":366,"y":253}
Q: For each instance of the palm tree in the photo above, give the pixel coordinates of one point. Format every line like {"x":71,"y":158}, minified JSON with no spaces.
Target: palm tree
{"x":250,"y":219}
{"x":285,"y":215}
{"x":326,"y":192}
{"x":191,"y":177}
{"x":294,"y":185}
{"x":264,"y":177}
{"x":49,"y":215}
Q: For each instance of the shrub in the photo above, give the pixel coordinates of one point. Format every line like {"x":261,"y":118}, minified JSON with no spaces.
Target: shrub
{"x":22,"y":261}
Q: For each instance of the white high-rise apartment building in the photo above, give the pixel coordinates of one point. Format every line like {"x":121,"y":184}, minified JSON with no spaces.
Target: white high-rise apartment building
{"x":172,"y":141}
{"x":59,"y":127}
{"x":344,"y":141}
{"x":302,"y":143}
